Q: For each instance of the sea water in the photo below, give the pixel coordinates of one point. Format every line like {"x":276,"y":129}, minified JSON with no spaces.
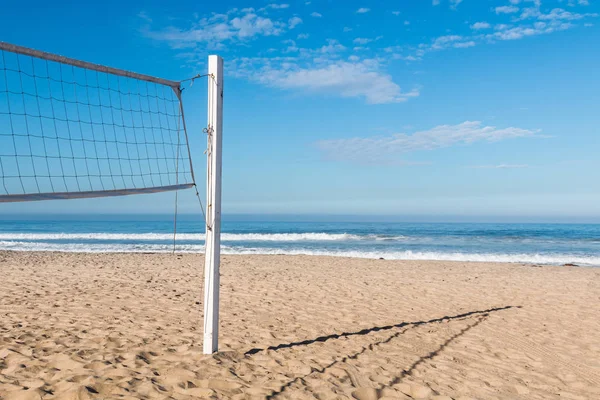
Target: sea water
{"x":527,"y":243}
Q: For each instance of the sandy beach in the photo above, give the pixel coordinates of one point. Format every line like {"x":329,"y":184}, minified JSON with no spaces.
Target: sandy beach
{"x":103,"y":326}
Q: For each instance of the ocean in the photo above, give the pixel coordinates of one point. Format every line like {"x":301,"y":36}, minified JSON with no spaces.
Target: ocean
{"x":503,"y":242}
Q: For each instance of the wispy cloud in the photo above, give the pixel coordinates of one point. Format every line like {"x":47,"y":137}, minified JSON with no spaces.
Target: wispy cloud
{"x":507,"y":10}
{"x":362,"y":40}
{"x":349,"y":62}
{"x":219,"y":28}
{"x":384,"y":148}
{"x":506,"y":32}
{"x":480,"y":25}
{"x":278,"y":6}
{"x":362,"y":79}
{"x":531,"y":22}
{"x":444,"y":42}
{"x":560,"y":14}
{"x":294,"y":22}
{"x":330,"y":69}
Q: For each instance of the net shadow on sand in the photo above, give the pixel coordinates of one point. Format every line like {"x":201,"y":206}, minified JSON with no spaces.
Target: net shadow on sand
{"x":366,"y":331}
{"x":480,"y":316}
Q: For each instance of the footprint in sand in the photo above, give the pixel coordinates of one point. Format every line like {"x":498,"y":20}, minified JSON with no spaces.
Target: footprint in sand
{"x":223,"y":385}
{"x":32,"y":394}
{"x":366,"y":394}
{"x":64,"y":362}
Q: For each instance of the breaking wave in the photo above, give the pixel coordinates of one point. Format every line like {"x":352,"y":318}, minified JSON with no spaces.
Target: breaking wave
{"x":530,"y":258}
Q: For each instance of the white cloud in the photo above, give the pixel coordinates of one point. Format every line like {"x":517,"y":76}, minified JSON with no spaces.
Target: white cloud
{"x":480,"y":25}
{"x":278,"y":6}
{"x":294,"y":22}
{"x":456,"y":41}
{"x":332,"y":46}
{"x":362,"y":41}
{"x":436,"y":2}
{"x":340,"y":78}
{"x":464,"y":45}
{"x":218,"y":28}
{"x":382,"y":148}
{"x":291,"y":48}
{"x":506,"y":10}
{"x":315,"y":14}
{"x":303,"y":36}
{"x":347,"y":29}
{"x":530,"y":12}
{"x":396,"y":13}
{"x":554,"y":21}
{"x":538,"y":28}
{"x":447,"y":39}
{"x":363,"y":10}
{"x":250,"y":25}
{"x":513,"y":33}
{"x":560,"y":14}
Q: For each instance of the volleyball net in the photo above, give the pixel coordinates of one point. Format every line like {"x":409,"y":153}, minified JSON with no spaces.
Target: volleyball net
{"x":73,"y":129}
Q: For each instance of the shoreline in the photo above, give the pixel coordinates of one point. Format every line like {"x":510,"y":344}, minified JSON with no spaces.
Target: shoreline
{"x":340,"y":256}
{"x":107,"y":325}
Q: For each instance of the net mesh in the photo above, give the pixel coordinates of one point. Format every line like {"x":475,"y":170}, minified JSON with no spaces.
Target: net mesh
{"x":68,"y":131}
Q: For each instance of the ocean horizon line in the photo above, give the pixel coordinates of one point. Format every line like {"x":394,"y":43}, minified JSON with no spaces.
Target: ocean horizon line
{"x":312,"y":217}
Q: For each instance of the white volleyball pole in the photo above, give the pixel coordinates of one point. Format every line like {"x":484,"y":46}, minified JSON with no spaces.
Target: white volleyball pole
{"x":213,"y":208}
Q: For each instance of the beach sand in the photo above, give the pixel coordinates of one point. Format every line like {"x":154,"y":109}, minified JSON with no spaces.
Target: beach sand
{"x":104,"y":326}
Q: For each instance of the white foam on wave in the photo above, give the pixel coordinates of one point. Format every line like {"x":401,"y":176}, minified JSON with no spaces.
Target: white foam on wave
{"x":388,"y":238}
{"x":530,"y":258}
{"x":256,"y":237}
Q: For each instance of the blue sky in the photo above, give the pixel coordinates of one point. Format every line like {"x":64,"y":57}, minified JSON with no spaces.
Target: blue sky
{"x":449,"y":107}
